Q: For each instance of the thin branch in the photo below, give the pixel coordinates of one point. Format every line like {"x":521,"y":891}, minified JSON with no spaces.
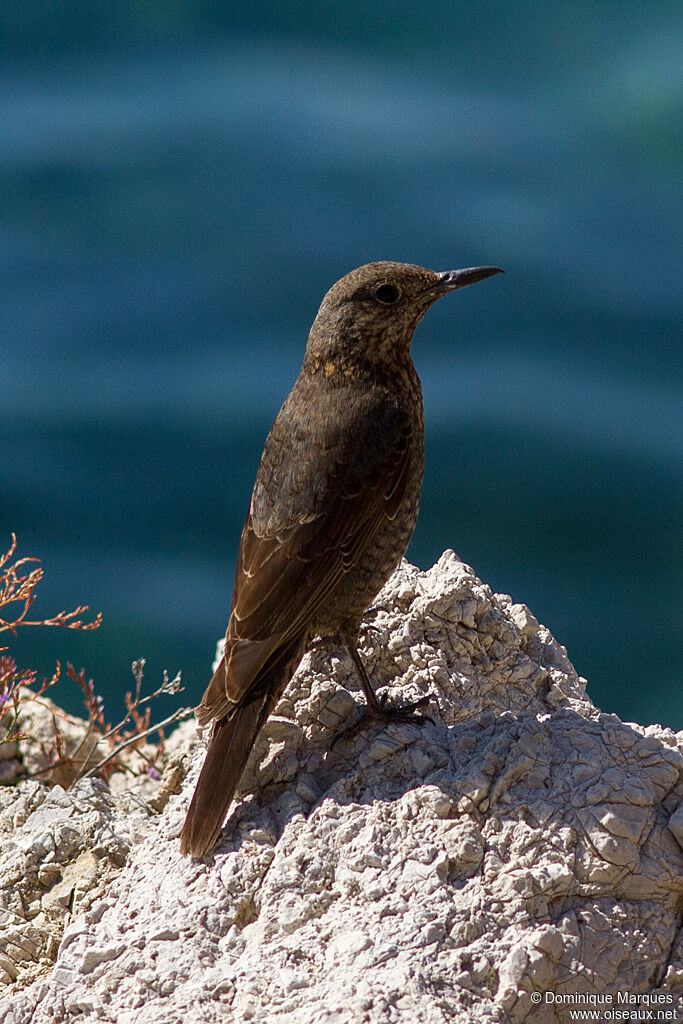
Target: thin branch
{"x":175,"y":717}
{"x":15,"y":587}
{"x":61,"y":619}
{"x":13,"y":547}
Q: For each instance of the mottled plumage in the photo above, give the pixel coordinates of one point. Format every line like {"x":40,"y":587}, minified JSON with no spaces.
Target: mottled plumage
{"x":332,"y":511}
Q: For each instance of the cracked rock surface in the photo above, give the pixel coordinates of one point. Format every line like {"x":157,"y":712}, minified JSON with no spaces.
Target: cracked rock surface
{"x":519,"y":843}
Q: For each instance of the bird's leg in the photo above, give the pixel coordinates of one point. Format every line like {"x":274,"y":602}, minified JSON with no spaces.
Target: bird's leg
{"x":370,"y":696}
{"x":377,"y":709}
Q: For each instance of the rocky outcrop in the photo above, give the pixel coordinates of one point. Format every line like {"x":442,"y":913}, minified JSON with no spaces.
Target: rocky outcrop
{"x":516,"y":856}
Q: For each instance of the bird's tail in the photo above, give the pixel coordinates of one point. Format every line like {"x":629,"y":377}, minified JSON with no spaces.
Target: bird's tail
{"x":230,"y":746}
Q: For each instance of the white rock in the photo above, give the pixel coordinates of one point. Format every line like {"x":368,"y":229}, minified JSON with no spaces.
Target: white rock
{"x":520,"y":843}
{"x":676,"y":824}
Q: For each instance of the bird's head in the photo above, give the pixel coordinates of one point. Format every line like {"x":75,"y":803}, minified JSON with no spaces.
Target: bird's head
{"x":370,"y":314}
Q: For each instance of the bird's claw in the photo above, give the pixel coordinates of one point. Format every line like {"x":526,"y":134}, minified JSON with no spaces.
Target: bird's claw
{"x":384,"y":712}
{"x":402,"y":713}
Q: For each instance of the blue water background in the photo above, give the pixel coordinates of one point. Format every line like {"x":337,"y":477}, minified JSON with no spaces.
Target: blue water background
{"x":182,"y":183}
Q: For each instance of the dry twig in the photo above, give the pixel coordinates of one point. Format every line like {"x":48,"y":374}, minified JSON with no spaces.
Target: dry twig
{"x":18,"y":587}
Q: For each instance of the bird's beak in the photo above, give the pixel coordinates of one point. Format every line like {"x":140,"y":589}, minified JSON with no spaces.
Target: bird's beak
{"x":451,"y":280}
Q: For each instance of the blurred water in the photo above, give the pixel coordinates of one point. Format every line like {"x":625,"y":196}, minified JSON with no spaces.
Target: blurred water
{"x":171,"y":215}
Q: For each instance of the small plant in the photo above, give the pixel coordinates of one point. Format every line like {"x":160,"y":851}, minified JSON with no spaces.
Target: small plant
{"x":18,"y":588}
{"x":103,"y":748}
{"x":130,"y":732}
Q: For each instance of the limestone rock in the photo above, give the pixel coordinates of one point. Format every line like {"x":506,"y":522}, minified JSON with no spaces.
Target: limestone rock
{"x":519,"y":844}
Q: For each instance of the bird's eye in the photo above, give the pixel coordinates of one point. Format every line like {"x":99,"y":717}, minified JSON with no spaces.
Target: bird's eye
{"x":387,"y":294}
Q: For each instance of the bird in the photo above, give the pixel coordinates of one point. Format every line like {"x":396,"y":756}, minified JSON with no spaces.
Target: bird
{"x":332,"y":511}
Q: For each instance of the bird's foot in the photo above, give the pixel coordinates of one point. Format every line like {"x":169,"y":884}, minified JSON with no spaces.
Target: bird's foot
{"x":383,"y":712}
{"x":377,"y":708}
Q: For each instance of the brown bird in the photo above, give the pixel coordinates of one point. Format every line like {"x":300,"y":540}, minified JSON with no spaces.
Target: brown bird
{"x":332,"y":511}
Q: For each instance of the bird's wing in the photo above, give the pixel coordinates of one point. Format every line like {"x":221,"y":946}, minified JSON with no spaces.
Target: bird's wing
{"x":317,"y":503}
